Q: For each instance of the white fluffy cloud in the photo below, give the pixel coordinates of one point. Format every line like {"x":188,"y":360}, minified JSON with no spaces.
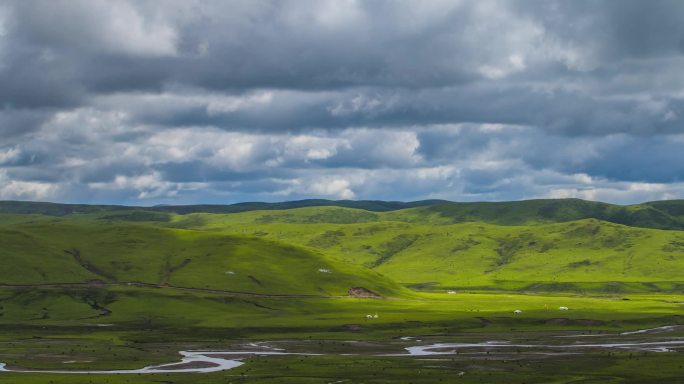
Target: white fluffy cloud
{"x":332,"y":187}
{"x":25,"y":190}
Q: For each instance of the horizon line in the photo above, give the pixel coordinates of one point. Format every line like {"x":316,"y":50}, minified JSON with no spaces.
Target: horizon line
{"x":437,"y":201}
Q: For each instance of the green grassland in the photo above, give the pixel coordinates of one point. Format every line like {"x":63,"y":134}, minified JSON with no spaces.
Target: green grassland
{"x":64,"y":252}
{"x":51,"y":328}
{"x":108,"y":287}
{"x":582,"y":255}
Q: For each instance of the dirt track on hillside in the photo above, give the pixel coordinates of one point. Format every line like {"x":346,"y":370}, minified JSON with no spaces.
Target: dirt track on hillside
{"x":99,"y":284}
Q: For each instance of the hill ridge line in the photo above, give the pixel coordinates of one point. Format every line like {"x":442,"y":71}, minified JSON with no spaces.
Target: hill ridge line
{"x":665,"y":214}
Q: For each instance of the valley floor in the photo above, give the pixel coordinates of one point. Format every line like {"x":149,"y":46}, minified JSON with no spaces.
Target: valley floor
{"x":423,"y":338}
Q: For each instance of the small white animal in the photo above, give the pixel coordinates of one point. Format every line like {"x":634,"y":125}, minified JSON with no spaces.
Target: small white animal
{"x":451,"y":292}
{"x":563,"y":308}
{"x":375,"y":316}
{"x":517,"y":311}
{"x":369,"y":316}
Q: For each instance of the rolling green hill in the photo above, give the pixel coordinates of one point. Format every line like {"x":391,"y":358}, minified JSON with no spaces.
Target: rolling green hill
{"x":48,"y":252}
{"x":296,"y":248}
{"x":658,"y":215}
{"x":581,"y":255}
{"x":649,"y":215}
{"x":55,"y":209}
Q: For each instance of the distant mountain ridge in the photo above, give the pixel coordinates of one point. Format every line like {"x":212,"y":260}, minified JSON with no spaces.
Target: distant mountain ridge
{"x":667,"y":214}
{"x":58,"y":209}
{"x":657,"y":215}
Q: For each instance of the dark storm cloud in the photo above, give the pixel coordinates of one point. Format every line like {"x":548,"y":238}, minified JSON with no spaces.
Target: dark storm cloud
{"x":560,"y":111}
{"x":137,"y":101}
{"x":199,"y":171}
{"x":17,"y":122}
{"x":623,"y":29}
{"x":657,"y":159}
{"x":502,"y":62}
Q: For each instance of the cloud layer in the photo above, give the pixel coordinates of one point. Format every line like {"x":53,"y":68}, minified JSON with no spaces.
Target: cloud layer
{"x":197,"y":101}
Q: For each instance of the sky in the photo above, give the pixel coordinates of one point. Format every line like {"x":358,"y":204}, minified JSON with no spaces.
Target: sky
{"x":187,"y":102}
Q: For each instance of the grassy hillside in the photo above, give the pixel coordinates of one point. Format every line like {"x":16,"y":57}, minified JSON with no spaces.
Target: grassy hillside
{"x":76,"y":252}
{"x":535,"y":212}
{"x":559,"y":245}
{"x":588,"y":254}
{"x":54,"y":209}
{"x":658,"y":215}
{"x":368,"y":205}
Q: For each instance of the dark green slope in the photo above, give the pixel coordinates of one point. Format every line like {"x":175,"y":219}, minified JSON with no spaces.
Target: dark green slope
{"x":56,"y":209}
{"x":41,"y":253}
{"x":674,"y":208}
{"x":53,"y":209}
{"x":657,"y":215}
{"x":368,"y":205}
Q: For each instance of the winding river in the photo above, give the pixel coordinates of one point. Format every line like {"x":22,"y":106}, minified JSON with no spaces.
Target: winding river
{"x":213,"y":361}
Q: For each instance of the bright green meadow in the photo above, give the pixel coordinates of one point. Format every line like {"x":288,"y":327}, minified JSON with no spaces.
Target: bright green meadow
{"x":86,"y":288}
